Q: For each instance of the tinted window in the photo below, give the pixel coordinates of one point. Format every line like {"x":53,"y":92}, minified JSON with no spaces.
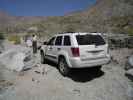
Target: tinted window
{"x":51,"y":41}
{"x":58,"y":40}
{"x":90,"y":40}
{"x":67,"y":41}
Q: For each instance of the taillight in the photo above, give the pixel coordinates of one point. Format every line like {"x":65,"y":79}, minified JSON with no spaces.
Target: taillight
{"x":75,"y":52}
{"x":108,"y":50}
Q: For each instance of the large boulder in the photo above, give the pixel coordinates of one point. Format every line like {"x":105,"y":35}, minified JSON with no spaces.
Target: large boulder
{"x":129,"y":74}
{"x":18,"y":58}
{"x":1,"y":46}
{"x":129,"y":64}
{"x":130,"y":61}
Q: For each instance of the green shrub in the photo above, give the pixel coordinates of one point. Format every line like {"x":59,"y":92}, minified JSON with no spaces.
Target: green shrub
{"x":129,"y":30}
{"x":2,"y":36}
{"x":15,"y":39}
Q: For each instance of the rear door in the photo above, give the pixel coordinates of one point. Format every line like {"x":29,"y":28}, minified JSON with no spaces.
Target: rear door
{"x":67,"y":44}
{"x":57,"y":47}
{"x":91,"y":46}
{"x":50,"y":49}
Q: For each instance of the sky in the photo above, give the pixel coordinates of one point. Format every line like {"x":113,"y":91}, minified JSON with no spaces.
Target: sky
{"x":43,"y":7}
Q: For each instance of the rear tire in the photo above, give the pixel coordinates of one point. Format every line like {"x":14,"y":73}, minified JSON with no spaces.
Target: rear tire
{"x":63,"y":66}
{"x":98,"y":68}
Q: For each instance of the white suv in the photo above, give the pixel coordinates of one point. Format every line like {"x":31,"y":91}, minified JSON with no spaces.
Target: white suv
{"x":76,"y":50}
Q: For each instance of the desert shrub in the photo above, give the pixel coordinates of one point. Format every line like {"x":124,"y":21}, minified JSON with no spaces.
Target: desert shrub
{"x":130,"y":31}
{"x":2,"y":36}
{"x":15,"y":39}
{"x":69,"y":28}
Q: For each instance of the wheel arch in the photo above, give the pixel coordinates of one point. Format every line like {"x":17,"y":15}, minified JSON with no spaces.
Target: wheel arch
{"x":66,"y":58}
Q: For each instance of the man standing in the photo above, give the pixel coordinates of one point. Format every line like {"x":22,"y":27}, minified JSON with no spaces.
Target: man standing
{"x":34,"y":43}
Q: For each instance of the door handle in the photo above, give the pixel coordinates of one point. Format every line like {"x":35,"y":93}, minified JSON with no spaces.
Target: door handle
{"x":50,"y":48}
{"x":58,"y":49}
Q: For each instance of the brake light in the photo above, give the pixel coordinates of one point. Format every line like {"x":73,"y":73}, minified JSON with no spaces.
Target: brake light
{"x":108,"y":50}
{"x":75,"y":52}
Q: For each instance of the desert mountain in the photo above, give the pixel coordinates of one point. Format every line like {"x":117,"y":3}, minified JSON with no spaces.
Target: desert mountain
{"x":104,"y":16}
{"x":108,"y":16}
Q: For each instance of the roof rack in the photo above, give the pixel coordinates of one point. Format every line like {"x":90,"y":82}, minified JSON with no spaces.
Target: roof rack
{"x":65,"y":32}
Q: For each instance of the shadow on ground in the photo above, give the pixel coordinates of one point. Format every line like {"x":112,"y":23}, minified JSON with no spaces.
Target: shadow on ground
{"x":85,"y":74}
{"x":82,"y":74}
{"x":129,"y":76}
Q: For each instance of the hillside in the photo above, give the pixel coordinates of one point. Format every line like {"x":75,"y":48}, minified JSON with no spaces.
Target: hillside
{"x":104,"y":16}
{"x":107,"y":16}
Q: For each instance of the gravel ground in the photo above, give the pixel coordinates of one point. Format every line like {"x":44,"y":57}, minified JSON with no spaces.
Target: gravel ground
{"x":109,"y":83}
{"x":44,"y":82}
{"x":121,"y":55}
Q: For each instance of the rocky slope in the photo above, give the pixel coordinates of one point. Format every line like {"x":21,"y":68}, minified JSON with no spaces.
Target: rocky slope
{"x":108,"y":16}
{"x":104,"y":16}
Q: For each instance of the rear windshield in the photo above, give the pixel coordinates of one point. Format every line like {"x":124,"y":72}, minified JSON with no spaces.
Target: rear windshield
{"x":90,"y":40}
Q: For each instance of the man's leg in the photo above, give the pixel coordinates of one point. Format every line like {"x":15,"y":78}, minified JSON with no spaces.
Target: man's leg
{"x":33,"y":47}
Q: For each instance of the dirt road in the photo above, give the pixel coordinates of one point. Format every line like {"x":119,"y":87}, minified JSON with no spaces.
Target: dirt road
{"x":109,"y":83}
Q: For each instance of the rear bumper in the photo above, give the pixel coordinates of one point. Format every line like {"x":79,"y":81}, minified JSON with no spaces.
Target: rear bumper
{"x":78,"y":63}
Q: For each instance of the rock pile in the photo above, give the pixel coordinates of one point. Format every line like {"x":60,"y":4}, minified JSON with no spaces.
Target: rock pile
{"x":1,"y":46}
{"x":18,"y":58}
{"x":129,"y":68}
{"x":120,"y":42}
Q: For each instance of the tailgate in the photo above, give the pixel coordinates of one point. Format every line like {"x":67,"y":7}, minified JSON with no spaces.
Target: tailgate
{"x":91,"y":52}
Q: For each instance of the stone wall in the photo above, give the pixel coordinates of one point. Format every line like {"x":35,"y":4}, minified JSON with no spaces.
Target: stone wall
{"x":1,"y":46}
{"x":120,"y":42}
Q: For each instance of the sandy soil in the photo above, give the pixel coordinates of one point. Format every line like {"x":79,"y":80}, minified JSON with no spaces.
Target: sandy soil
{"x":109,"y":83}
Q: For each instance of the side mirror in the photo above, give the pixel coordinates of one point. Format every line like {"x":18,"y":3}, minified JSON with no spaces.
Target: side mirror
{"x":44,"y":43}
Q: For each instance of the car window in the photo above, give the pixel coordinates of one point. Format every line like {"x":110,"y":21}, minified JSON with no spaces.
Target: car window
{"x":67,"y":41}
{"x":90,"y":40}
{"x":51,"y":41}
{"x":58,"y":40}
